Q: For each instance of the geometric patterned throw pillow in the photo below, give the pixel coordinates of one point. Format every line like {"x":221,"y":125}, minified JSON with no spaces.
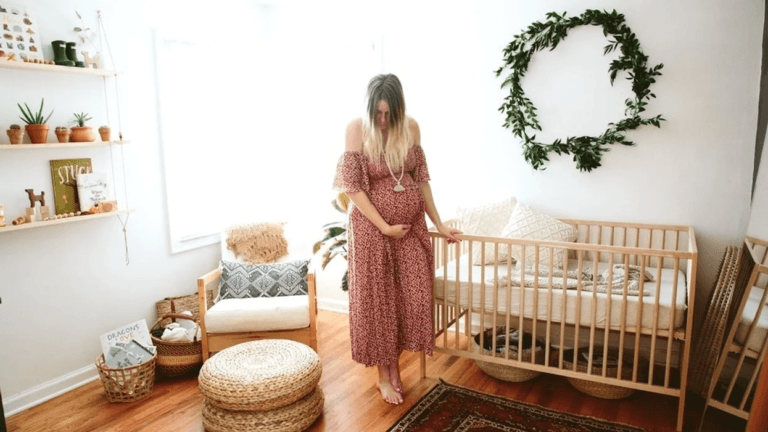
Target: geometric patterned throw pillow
{"x":263,"y":280}
{"x":527,"y":223}
{"x":486,"y":220}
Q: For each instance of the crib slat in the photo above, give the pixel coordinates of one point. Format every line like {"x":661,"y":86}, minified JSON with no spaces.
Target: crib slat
{"x":470,"y":301}
{"x":458,"y":294}
{"x":663,"y":246}
{"x":495,"y":294}
{"x":655,"y":319}
{"x":639,"y":324}
{"x":755,"y":372}
{"x":563,"y":303}
{"x":444,"y":328}
{"x":509,"y":298}
{"x":549,"y":305}
{"x":607,"y":332}
{"x":599,"y":240}
{"x":671,"y":322}
{"x":580,"y":256}
{"x":535,"y":302}
{"x":521,"y":308}
{"x":623,"y":324}
{"x":482,"y":295}
{"x":594,"y":316}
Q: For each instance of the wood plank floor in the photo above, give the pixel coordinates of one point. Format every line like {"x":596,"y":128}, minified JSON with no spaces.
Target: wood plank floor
{"x":352,"y":403}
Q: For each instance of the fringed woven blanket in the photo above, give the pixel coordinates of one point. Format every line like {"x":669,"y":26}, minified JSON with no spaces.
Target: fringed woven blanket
{"x":586,"y":279}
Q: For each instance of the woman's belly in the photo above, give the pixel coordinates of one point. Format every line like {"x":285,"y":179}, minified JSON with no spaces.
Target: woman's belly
{"x":398,"y":207}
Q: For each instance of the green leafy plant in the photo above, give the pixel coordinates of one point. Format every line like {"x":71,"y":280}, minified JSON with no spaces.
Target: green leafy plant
{"x":521,"y":113}
{"x":34,"y":118}
{"x":81,"y":118}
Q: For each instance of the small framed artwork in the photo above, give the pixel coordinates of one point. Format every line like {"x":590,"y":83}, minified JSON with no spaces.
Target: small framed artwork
{"x":19,"y":34}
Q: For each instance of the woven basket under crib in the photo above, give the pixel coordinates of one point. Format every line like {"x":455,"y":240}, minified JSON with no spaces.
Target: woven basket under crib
{"x":175,"y":358}
{"x":127,"y":384}
{"x":596,"y":389}
{"x":504,"y":372}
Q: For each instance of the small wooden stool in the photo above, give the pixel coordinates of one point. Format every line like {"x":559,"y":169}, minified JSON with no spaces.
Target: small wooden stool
{"x":264,"y":385}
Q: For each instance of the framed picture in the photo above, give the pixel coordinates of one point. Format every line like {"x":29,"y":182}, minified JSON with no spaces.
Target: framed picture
{"x":19,"y":34}
{"x":64,"y":173}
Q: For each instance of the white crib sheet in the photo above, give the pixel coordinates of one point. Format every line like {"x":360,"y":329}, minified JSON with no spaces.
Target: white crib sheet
{"x":665,"y":297}
{"x":748,"y":316}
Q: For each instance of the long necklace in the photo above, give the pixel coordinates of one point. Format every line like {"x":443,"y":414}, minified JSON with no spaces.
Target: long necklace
{"x":398,"y":187}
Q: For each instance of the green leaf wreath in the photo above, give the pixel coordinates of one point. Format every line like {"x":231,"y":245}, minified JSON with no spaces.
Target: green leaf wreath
{"x":521,"y":114}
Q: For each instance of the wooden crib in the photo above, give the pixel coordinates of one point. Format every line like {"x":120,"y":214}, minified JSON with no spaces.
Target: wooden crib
{"x":650,"y":333}
{"x":741,"y":339}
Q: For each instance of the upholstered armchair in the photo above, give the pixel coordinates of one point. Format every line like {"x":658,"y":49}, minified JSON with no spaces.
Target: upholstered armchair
{"x":257,"y":300}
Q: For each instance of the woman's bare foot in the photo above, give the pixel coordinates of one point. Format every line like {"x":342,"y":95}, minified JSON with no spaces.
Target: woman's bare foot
{"x":394,"y":377}
{"x":385,"y":387}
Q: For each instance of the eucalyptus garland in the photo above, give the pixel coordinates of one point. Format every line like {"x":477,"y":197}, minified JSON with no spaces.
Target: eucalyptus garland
{"x":521,"y":113}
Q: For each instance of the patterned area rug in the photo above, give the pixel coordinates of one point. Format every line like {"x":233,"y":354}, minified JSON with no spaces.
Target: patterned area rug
{"x":451,"y":408}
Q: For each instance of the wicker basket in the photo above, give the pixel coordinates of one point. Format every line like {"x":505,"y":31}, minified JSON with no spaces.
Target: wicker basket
{"x":172,"y":305}
{"x":176,"y":358}
{"x":503,"y":372}
{"x":596,"y":389}
{"x":127,"y":384}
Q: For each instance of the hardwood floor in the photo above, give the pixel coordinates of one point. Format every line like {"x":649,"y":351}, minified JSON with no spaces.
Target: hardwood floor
{"x":352,"y":403}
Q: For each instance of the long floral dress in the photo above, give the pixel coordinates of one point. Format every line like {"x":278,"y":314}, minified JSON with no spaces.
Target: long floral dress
{"x":390,"y":280}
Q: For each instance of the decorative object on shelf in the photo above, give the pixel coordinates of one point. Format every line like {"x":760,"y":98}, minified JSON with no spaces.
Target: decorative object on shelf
{"x":15,"y":134}
{"x":19,"y":220}
{"x":30,"y":214}
{"x":37,"y":61}
{"x":88,"y":39}
{"x":2,"y":216}
{"x":64,"y":173}
{"x":72,"y":54}
{"x":60,"y":53}
{"x":95,"y":60}
{"x":31,"y":211}
{"x":35,"y":198}
{"x":36,"y":127}
{"x":62,"y":134}
{"x":520,"y":112}
{"x":22,"y":29}
{"x":105,"y":131}
{"x":81,"y":132}
{"x":103,"y":207}
{"x":92,"y":188}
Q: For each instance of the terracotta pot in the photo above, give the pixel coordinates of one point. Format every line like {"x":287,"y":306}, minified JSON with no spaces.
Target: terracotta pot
{"x":15,"y":135}
{"x":63,"y":135}
{"x":38,"y":133}
{"x":82,"y":134}
{"x":104,"y":134}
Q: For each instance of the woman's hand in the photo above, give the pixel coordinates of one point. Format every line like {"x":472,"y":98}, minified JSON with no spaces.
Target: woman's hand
{"x":397,"y":231}
{"x":449,"y":233}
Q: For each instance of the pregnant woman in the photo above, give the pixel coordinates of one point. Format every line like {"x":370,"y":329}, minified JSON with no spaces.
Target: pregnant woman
{"x":384,"y":173}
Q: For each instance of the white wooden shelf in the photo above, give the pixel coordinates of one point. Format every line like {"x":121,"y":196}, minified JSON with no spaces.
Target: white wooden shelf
{"x":61,"y":145}
{"x":40,"y":224}
{"x":20,"y":65}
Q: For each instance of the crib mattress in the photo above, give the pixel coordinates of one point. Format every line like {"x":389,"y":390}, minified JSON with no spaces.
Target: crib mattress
{"x":747,"y":318}
{"x":666,"y":304}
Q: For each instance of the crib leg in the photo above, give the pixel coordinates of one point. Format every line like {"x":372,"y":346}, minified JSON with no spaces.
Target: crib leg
{"x":423,"y":364}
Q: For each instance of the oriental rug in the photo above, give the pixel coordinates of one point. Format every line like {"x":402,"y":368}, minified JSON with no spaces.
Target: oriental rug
{"x":451,"y":408}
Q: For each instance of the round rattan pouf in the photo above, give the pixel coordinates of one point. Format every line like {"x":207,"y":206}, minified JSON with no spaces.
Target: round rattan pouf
{"x":295,"y":417}
{"x":261,"y":375}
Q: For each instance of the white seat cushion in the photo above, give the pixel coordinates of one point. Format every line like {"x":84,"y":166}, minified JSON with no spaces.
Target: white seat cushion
{"x":258,"y":314}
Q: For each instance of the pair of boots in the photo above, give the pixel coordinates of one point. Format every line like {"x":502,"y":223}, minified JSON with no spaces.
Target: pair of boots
{"x":65,"y":54}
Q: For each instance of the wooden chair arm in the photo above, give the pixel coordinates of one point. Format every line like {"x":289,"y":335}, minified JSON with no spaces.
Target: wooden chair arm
{"x":202,"y":283}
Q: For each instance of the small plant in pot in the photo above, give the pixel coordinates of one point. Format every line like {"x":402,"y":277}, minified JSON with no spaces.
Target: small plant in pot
{"x":62,"y":133}
{"x":81,"y":132}
{"x":15,"y":134}
{"x":105,"y":131}
{"x":36,"y":127}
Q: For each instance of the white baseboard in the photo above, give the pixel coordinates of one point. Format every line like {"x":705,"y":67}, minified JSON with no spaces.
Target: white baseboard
{"x":333,"y":305}
{"x":49,"y":390}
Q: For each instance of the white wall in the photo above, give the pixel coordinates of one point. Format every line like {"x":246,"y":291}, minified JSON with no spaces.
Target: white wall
{"x":64,"y":286}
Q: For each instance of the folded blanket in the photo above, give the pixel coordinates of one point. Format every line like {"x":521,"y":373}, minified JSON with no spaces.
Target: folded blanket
{"x":588,"y":281}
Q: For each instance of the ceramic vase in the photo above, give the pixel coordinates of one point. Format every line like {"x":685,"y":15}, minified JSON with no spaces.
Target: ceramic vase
{"x":60,"y":54}
{"x":38,"y":133}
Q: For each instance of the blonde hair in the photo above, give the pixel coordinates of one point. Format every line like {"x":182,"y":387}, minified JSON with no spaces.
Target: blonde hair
{"x":386,"y":87}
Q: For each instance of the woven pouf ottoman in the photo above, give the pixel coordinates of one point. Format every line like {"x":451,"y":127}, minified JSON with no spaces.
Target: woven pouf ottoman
{"x":265,"y":385}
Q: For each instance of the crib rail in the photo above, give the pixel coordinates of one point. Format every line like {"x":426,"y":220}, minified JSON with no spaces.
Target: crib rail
{"x":650,"y":356}
{"x":732,"y":388}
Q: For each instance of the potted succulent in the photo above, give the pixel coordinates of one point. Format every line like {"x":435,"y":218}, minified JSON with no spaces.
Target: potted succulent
{"x":15,"y":134}
{"x":36,"y":127}
{"x":104,"y":131}
{"x":81,"y":132}
{"x":62,"y":133}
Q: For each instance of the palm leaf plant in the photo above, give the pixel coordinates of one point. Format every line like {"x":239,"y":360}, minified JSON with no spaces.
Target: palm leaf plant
{"x":34,"y":118}
{"x":334,"y":243}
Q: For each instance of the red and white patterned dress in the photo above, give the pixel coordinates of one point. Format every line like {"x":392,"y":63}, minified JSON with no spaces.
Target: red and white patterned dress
{"x":390,"y":280}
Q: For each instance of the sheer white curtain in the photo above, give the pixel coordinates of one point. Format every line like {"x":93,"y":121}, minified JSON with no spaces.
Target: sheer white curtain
{"x":252,"y":123}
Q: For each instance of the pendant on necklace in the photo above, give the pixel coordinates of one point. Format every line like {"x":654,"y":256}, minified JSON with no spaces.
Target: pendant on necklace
{"x":399,"y":187}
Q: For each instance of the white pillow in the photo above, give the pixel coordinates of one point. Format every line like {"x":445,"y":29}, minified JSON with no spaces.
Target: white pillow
{"x":486,"y":220}
{"x":527,"y":223}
